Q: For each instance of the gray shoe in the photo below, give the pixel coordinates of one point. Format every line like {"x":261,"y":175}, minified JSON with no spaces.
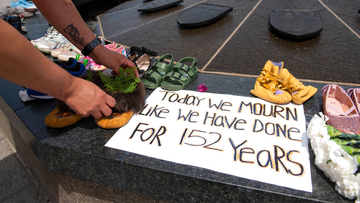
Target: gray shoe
{"x":49,"y":41}
{"x":14,"y":10}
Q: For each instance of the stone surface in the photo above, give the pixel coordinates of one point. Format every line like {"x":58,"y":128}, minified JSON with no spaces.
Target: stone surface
{"x":72,"y":163}
{"x":2,"y":135}
{"x":12,"y":176}
{"x":251,"y":45}
{"x":27,"y":194}
{"x":78,"y":152}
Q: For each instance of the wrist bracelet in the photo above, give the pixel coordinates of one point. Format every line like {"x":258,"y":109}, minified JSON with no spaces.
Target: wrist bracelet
{"x":90,"y":47}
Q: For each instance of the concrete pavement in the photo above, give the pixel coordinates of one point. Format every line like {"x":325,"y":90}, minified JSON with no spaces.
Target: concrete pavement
{"x":17,"y":184}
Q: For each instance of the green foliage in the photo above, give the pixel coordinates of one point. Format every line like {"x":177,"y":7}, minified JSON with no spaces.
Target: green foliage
{"x":335,"y":133}
{"x":350,"y":143}
{"x":89,"y":75}
{"x":125,"y":82}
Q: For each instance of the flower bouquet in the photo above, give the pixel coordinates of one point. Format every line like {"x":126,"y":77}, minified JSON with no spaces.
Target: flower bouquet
{"x":337,"y":154}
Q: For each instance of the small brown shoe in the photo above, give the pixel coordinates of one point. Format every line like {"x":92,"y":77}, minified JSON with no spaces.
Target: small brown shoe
{"x":299,"y":92}
{"x":269,"y":85}
{"x":354,"y":94}
{"x":115,"y":120}
{"x":339,"y":108}
{"x":60,"y":119}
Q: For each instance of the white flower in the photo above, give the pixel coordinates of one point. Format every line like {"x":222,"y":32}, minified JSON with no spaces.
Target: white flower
{"x":338,"y":165}
{"x":315,"y":125}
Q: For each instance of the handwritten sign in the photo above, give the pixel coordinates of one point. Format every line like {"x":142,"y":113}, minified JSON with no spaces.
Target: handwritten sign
{"x":241,"y":136}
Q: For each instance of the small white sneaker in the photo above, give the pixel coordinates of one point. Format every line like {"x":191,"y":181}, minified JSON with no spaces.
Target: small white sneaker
{"x":73,"y":52}
{"x":45,"y":37}
{"x":66,"y":45}
{"x":26,"y":14}
{"x":49,"y":41}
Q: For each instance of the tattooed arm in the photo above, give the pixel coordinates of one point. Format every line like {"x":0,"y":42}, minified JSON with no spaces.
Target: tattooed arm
{"x":63,"y":15}
{"x":23,"y":64}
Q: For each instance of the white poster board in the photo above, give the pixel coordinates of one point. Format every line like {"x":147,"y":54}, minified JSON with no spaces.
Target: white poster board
{"x":241,"y":136}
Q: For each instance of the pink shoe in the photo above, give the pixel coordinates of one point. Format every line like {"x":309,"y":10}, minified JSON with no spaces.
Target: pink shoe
{"x":56,"y":52}
{"x":120,"y":50}
{"x":85,"y":61}
{"x":111,"y":46}
{"x":338,"y":106}
{"x":354,"y":94}
{"x":72,"y":52}
{"x":90,"y":64}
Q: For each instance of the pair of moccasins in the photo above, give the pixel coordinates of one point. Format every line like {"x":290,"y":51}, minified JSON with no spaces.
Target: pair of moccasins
{"x":277,"y":85}
{"x":342,"y":108}
{"x":126,"y":105}
{"x":167,"y":75}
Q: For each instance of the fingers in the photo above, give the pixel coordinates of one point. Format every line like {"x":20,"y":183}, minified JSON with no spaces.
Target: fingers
{"x":88,"y":99}
{"x":124,"y":63}
{"x":105,"y":109}
{"x":136,"y":73}
{"x":98,"y":114}
{"x":116,"y":72}
{"x":110,"y":101}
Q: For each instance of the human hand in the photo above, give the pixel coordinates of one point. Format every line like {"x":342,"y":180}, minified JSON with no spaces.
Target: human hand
{"x":111,"y":59}
{"x":85,"y":98}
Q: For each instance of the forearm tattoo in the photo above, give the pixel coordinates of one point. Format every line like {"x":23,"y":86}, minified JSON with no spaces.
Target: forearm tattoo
{"x":74,"y":34}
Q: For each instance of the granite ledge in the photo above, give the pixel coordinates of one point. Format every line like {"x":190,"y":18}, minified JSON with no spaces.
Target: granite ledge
{"x":78,"y":151}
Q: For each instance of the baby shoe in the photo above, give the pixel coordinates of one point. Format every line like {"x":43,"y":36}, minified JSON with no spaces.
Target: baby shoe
{"x":85,"y":61}
{"x":72,"y":52}
{"x":269,"y":85}
{"x":143,"y":64}
{"x":62,"y":115}
{"x":154,"y":76}
{"x":120,"y":50}
{"x":66,"y":45}
{"x":111,"y":46}
{"x":90,"y":64}
{"x":299,"y":92}
{"x":49,"y":41}
{"x":354,"y":94}
{"x":73,"y":67}
{"x":340,"y":109}
{"x":38,"y":95}
{"x":126,"y":104}
{"x":115,"y":120}
{"x":60,"y":119}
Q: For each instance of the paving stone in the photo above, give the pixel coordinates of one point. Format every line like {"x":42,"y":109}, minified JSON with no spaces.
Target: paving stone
{"x":13,"y":177}
{"x":6,"y":150}
{"x":28,"y":195}
{"x":2,"y":135}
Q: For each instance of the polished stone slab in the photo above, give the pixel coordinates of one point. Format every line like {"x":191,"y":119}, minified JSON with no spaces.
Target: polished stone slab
{"x":11,"y":91}
{"x":78,"y":151}
{"x":328,"y":57}
{"x":13,"y":177}
{"x":347,"y":11}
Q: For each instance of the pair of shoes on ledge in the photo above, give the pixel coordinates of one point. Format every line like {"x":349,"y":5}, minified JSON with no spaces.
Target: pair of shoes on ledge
{"x":168,"y":75}
{"x":72,"y":66}
{"x":90,"y":64}
{"x":342,"y":108}
{"x":126,"y":105}
{"x":142,"y":57}
{"x":277,"y":85}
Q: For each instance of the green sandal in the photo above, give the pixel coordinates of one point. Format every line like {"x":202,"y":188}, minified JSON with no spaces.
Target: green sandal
{"x":153,"y":77}
{"x":181,"y":76}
